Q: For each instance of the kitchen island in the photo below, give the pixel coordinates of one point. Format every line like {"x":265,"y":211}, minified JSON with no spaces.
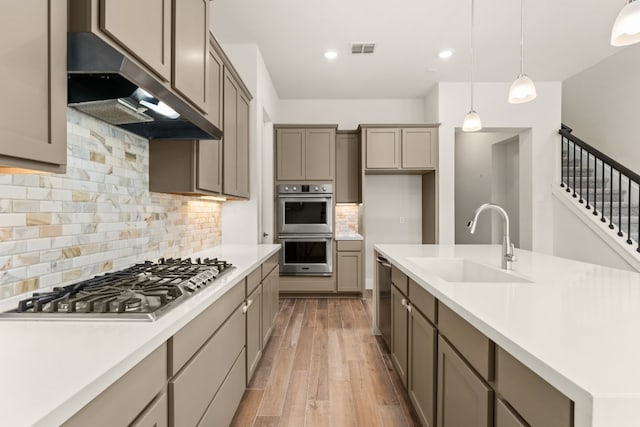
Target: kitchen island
{"x":573,"y":324}
{"x":52,"y":369}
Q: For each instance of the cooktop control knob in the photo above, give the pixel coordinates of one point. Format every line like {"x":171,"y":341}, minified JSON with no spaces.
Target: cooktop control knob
{"x":286,"y":188}
{"x":324,"y":188}
{"x":316,"y":188}
{"x":294,"y":188}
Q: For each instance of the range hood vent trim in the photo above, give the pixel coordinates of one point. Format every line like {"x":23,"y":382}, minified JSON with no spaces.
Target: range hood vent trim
{"x":99,"y":72}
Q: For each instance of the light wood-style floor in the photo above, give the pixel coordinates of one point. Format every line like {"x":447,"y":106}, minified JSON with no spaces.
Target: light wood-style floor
{"x":323,"y":367}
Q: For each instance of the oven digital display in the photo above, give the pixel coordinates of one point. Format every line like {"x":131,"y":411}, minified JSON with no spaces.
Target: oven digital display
{"x":301,"y":252}
{"x":301,"y":212}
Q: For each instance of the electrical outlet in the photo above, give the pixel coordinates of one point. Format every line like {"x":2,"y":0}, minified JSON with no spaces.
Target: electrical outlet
{"x":403,"y":220}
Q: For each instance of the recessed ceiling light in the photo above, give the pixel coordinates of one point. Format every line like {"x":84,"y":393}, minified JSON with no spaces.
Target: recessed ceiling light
{"x":445,"y":53}
{"x":331,"y":54}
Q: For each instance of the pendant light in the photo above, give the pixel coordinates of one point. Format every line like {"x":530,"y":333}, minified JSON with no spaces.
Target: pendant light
{"x":472,"y":122}
{"x":522,"y":89}
{"x":626,"y":29}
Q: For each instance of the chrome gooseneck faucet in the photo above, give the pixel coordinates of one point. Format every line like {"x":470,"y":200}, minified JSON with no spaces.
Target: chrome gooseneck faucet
{"x":508,"y":256}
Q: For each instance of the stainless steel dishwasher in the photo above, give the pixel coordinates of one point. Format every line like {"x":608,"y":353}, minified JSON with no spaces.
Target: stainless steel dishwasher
{"x":384,"y":299}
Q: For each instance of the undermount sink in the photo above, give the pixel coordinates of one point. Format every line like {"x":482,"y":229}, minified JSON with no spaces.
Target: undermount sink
{"x":460,"y":270}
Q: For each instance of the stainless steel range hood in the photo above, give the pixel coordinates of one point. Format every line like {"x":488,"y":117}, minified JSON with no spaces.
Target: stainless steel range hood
{"x":106,"y":84}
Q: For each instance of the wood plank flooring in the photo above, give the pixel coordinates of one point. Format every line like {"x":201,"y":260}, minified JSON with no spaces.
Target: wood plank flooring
{"x":323,"y":367}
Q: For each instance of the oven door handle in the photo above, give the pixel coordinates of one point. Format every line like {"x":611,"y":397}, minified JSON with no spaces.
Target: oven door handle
{"x":308,"y":237}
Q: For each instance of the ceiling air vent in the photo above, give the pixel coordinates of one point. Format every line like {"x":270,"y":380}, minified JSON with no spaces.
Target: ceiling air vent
{"x":362,"y":48}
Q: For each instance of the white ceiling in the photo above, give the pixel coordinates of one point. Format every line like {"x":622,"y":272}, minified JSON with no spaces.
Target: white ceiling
{"x":562,"y":37}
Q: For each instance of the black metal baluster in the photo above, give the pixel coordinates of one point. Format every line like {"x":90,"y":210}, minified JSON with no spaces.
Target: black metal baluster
{"x":604,"y":219}
{"x":629,"y":241}
{"x":620,"y":234}
{"x":595,"y":185}
{"x":581,"y":200}
{"x":610,"y":197}
{"x":562,"y":161}
{"x":574,"y":170}
{"x":638,"y":249}
{"x":588,"y":164}
{"x":568,"y":190}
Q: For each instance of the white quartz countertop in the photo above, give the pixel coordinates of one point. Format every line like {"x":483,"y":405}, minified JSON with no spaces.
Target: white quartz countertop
{"x":577,"y":325}
{"x":349,"y":236}
{"x":51,"y":369}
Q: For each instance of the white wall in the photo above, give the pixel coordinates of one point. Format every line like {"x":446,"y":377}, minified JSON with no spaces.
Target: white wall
{"x":539,"y":146}
{"x":387,"y":198}
{"x":349,"y":113}
{"x":505,"y":188}
{"x":241,"y":219}
{"x":601,"y":104}
{"x":574,"y":239}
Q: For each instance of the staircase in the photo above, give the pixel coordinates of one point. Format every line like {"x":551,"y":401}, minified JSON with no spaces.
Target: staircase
{"x":605,"y":188}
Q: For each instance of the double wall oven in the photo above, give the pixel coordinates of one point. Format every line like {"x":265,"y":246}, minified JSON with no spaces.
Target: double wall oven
{"x":305,"y":229}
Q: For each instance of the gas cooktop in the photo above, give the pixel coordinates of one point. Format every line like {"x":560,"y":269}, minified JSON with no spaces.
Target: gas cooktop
{"x":141,"y":292}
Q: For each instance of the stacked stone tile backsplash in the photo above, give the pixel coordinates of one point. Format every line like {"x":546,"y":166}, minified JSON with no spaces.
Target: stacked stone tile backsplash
{"x":99,"y":216}
{"x":347,"y":217}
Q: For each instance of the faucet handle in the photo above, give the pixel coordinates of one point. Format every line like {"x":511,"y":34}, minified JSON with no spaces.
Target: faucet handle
{"x":511,"y":255}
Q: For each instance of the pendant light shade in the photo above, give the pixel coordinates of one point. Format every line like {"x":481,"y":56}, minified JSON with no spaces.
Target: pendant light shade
{"x":522,"y":89}
{"x":626,"y":29}
{"x":472,"y":122}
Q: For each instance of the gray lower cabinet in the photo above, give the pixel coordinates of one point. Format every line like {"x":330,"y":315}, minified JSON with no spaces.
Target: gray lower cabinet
{"x":349,"y":265}
{"x":155,"y":415}
{"x":254,"y":330}
{"x":506,"y":417}
{"x":399,"y":328}
{"x":422,"y":366}
{"x":33,"y":81}
{"x":118,"y":405}
{"x":464,"y":399}
{"x":271,"y":302}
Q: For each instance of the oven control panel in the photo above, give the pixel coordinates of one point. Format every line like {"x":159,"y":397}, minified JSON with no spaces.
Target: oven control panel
{"x":319,"y":188}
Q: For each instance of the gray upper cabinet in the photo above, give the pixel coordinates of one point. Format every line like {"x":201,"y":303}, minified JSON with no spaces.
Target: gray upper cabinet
{"x":216,"y":85}
{"x":410,"y":148}
{"x":150,"y":40}
{"x":348,"y":173}
{"x":305,"y":153}
{"x":33,"y":134}
{"x":236,"y":138}
{"x":191,"y":50}
{"x":419,"y":148}
{"x":383,"y":148}
{"x":185,"y":167}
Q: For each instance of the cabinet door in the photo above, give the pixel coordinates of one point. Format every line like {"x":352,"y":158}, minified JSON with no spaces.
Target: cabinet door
{"x":191,"y":50}
{"x":230,"y":138}
{"x":320,"y":154}
{"x":419,"y":148}
{"x":399,"y":332}
{"x":463,"y":398}
{"x":254,"y":331}
{"x":216,"y":88}
{"x":267,"y":310}
{"x":347,"y":168}
{"x":242,"y":148}
{"x":143,"y":27}
{"x":383,"y":148}
{"x":422,"y":367}
{"x":505,"y":417}
{"x":33,"y":79}
{"x":349,"y":272}
{"x":155,"y":415}
{"x":275,"y":294}
{"x":209,"y":177}
{"x":290,"y":154}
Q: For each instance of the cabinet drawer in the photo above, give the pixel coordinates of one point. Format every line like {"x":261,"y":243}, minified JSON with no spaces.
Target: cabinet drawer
{"x":505,"y":416}
{"x":155,"y":415}
{"x":349,"y":245}
{"x":189,"y":339}
{"x":537,"y":401}
{"x":193,"y":389}
{"x":253,"y":280}
{"x":422,"y":300}
{"x":224,"y":405}
{"x":400,"y":279}
{"x":476,"y":348}
{"x":121,"y":403}
{"x":269,"y":264}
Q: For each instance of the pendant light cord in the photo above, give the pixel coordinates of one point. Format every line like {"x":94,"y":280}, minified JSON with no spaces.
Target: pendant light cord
{"x":521,"y":37}
{"x":472,"y":26}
